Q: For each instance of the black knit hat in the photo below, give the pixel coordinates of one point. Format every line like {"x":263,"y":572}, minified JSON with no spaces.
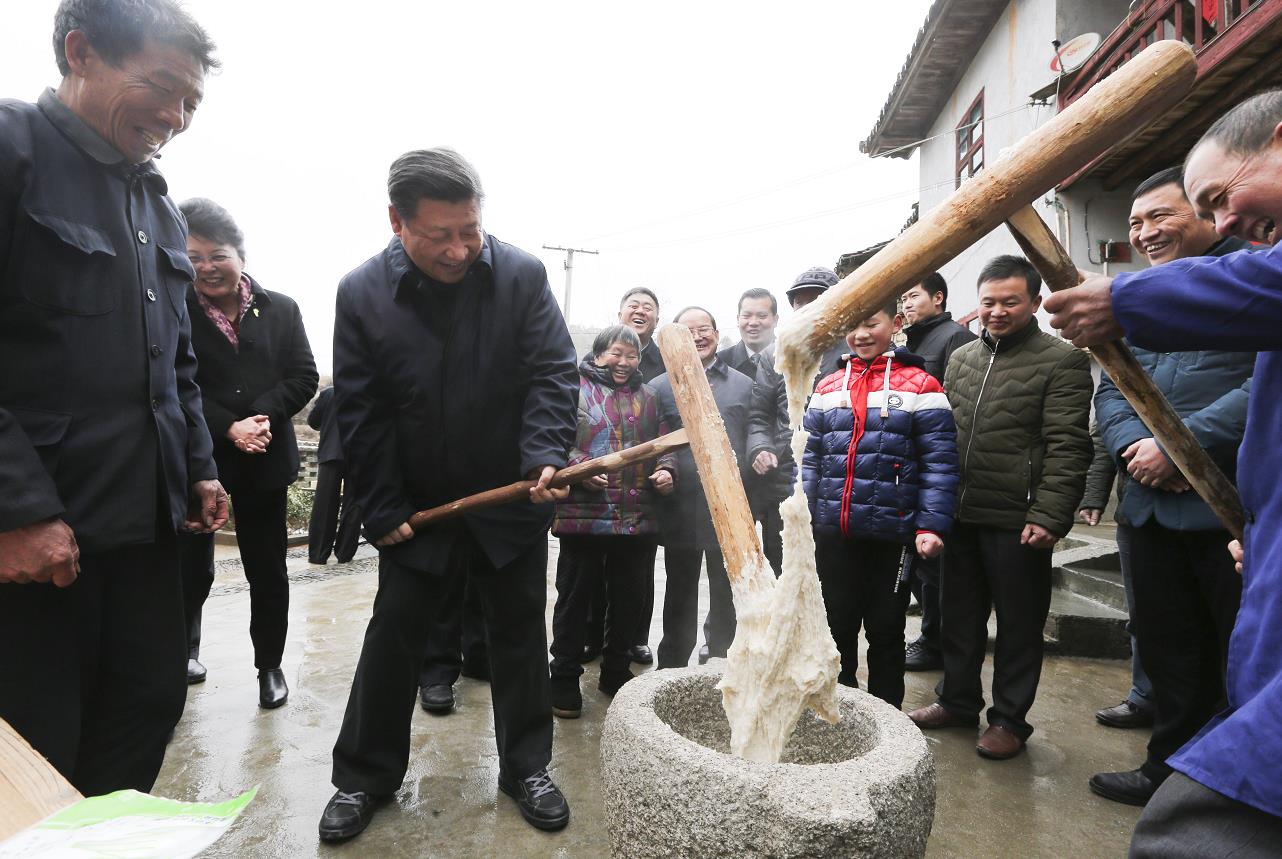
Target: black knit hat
{"x":814,"y":278}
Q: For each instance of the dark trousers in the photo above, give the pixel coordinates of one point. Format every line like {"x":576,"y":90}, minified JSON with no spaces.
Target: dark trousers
{"x":373,"y":746}
{"x":681,"y":606}
{"x":261,"y":537}
{"x":94,"y":675}
{"x":924,"y":581}
{"x":1186,"y":600}
{"x":988,"y":569}
{"x":456,"y":643}
{"x":621,"y":563}
{"x":335,"y":523}
{"x":1187,"y":820}
{"x":859,"y":579}
{"x":766,"y":512}
{"x":594,"y":633}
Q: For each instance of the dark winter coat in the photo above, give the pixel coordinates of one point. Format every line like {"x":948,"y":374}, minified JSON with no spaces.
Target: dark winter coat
{"x":272,"y":373}
{"x":322,"y":419}
{"x":684,"y":520}
{"x":769,"y":417}
{"x":613,"y":418}
{"x":652,"y":362}
{"x":100,"y":415}
{"x":444,"y":391}
{"x":1022,"y":406}
{"x":935,"y":339}
{"x":881,"y":457}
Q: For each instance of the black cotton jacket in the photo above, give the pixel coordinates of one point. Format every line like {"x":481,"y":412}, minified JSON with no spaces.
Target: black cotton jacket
{"x":322,"y":419}
{"x":272,"y":373}
{"x":443,"y":391}
{"x":100,"y":415}
{"x":935,"y":339}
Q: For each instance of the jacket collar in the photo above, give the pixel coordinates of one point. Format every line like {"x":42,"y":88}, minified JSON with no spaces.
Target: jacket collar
{"x":717,"y":368}
{"x":90,"y":142}
{"x":927,"y":324}
{"x":1005,"y":344}
{"x":406,"y":276}
{"x":1226,"y":246}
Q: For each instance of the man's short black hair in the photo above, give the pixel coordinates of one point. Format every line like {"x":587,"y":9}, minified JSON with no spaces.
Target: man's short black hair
{"x":1246,"y":128}
{"x":1009,"y":265}
{"x":686,"y":310}
{"x":642,"y":291}
{"x":758,"y":292}
{"x":934,"y":283}
{"x":117,"y":30}
{"x":431,"y":174}
{"x":1160,"y":179}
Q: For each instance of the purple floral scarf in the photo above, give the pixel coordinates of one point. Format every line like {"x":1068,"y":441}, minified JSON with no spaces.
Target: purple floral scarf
{"x":229,"y":327}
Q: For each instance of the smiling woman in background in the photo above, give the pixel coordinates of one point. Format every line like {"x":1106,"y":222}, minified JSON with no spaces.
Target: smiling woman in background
{"x":255,"y":373}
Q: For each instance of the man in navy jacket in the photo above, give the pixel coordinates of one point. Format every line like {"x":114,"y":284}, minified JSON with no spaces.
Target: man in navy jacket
{"x":104,"y":452}
{"x":454,"y":373}
{"x":1225,"y":796}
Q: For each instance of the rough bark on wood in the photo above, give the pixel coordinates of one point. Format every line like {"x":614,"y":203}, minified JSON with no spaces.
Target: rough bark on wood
{"x":1057,"y":269}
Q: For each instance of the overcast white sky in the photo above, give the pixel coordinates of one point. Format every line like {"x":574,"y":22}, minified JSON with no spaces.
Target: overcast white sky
{"x":702,"y":148}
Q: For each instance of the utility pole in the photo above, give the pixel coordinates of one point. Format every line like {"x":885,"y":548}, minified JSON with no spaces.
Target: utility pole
{"x":569,"y":272}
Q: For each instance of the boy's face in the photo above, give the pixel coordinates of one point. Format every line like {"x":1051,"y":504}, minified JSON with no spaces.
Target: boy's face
{"x":872,"y":337}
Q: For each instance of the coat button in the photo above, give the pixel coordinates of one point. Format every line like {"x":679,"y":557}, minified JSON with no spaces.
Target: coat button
{"x":151,"y":295}
{"x":155,"y":405}
{"x":155,"y":351}
{"x":142,"y":237}
{"x":632,"y":492}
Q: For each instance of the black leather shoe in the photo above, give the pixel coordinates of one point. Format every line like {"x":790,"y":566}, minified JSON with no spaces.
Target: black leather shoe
{"x":610,"y":682}
{"x":437,"y":698}
{"x":567,"y":700}
{"x":1125,"y":715}
{"x":542,"y":804}
{"x":347,"y":814}
{"x":704,"y":655}
{"x":195,"y":672}
{"x":641,"y":654}
{"x":590,"y":652}
{"x":920,"y":656}
{"x":272,"y":689}
{"x":1132,"y":788}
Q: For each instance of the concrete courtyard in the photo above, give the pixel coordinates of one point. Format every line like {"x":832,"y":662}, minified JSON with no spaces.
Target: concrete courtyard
{"x":1035,"y":805}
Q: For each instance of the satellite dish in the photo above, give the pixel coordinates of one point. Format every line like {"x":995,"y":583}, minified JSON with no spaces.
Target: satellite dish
{"x":1075,"y":52}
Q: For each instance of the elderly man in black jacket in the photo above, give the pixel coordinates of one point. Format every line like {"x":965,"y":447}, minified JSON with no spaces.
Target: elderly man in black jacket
{"x":104,"y":452}
{"x":454,"y":372}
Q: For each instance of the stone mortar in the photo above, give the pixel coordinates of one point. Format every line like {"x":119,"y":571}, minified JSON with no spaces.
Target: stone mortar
{"x":863,"y":787}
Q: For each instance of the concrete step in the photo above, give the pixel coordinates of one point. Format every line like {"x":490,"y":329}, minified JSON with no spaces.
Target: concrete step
{"x":1098,"y":578}
{"x":1080,"y":626}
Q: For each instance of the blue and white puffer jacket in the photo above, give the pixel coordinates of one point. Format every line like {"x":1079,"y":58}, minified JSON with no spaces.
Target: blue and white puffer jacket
{"x":887,"y":467}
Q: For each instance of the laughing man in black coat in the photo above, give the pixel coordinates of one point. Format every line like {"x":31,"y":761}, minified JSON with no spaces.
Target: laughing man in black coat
{"x":454,"y":372}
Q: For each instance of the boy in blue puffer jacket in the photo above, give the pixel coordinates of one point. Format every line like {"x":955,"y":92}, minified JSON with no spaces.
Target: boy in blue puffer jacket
{"x":880,"y":471}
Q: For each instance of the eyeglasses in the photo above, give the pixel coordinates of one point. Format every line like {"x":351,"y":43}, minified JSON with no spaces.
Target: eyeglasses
{"x":702,"y":330}
{"x":215,"y":258}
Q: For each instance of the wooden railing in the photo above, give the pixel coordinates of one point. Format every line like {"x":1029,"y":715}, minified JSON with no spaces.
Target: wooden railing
{"x":1213,"y":28}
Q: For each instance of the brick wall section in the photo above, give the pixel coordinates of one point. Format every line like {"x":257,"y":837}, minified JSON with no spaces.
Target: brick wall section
{"x":307,"y":467}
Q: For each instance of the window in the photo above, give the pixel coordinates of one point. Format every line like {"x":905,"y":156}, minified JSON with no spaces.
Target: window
{"x":970,"y":141}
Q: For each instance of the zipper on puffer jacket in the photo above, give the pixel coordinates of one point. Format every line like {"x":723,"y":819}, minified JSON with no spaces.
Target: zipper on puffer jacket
{"x":974,"y":424}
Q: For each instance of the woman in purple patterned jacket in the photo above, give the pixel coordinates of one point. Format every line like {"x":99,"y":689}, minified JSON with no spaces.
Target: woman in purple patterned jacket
{"x":607,"y":524}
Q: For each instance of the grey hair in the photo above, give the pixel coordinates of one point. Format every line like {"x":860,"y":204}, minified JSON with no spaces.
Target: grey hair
{"x":117,"y":29}
{"x":431,"y":174}
{"x":1246,"y":128}
{"x":212,"y":222}
{"x":615,"y":334}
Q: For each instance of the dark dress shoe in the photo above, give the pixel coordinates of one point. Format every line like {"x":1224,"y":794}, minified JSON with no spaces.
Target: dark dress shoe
{"x":704,"y":655}
{"x":611,"y":682}
{"x":347,"y":814}
{"x":590,"y":652}
{"x":272,"y":689}
{"x":1132,"y":788}
{"x":437,"y":698}
{"x":938,"y":716}
{"x":999,"y":744}
{"x":1125,"y":715}
{"x":920,"y":656}
{"x":641,"y":654}
{"x":318,"y":562}
{"x":542,"y":804}
{"x":567,"y":700}
{"x":195,"y":672}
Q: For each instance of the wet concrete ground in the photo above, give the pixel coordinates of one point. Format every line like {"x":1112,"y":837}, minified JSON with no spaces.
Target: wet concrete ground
{"x":1035,"y":805}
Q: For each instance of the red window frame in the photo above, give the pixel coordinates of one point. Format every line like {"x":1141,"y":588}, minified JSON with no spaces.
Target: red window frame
{"x":969,"y":142}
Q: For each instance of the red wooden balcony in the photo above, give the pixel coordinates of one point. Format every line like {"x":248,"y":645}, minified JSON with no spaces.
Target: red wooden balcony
{"x":1238,"y":44}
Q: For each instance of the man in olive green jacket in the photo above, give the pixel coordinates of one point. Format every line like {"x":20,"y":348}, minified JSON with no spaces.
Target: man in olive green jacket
{"x":1021,"y":398}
